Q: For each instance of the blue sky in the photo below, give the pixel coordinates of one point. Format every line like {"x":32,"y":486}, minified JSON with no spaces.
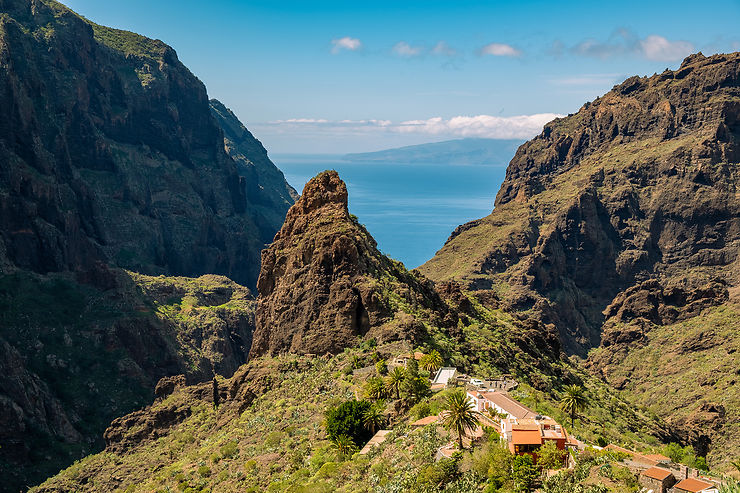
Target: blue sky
{"x":334,"y":77}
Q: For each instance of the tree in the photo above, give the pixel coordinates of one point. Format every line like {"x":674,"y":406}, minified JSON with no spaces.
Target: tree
{"x":573,"y":401}
{"x":412,"y":367}
{"x":216,"y":393}
{"x":416,"y":388}
{"x":550,"y":456}
{"x":375,"y":388}
{"x":431,"y":362}
{"x":394,"y":380}
{"x":460,"y":415}
{"x":343,"y":446}
{"x":347,"y":419}
{"x":373,"y":418}
{"x":524,"y":473}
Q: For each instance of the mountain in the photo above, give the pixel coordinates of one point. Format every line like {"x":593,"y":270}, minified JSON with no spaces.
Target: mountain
{"x":314,"y":348}
{"x":620,"y":225}
{"x":113,"y":158}
{"x":459,"y":152}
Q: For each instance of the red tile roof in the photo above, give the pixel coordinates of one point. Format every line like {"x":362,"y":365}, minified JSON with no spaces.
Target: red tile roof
{"x":693,"y":485}
{"x":425,"y":421}
{"x":657,"y":473}
{"x":526,"y":437}
{"x":509,"y":405}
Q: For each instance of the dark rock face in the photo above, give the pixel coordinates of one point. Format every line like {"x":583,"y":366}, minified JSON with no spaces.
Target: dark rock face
{"x":639,"y":184}
{"x":324,"y":284}
{"x":111,"y":154}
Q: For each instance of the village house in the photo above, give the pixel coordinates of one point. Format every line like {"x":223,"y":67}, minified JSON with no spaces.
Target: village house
{"x":523,"y":429}
{"x":657,"y":479}
{"x":403,"y":359}
{"x":694,"y":485}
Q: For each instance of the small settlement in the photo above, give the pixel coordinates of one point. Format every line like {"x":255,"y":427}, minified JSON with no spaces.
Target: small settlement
{"x":525,"y":431}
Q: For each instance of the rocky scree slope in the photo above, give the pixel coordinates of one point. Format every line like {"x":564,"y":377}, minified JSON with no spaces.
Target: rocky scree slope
{"x":620,"y":225}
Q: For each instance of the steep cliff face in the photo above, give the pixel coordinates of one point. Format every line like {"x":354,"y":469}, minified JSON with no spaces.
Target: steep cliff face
{"x":620,"y":224}
{"x":113,"y":155}
{"x":639,"y":184}
{"x":324,"y":284}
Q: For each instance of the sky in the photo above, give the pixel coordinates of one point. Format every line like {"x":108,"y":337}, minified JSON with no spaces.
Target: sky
{"x":354,"y":76}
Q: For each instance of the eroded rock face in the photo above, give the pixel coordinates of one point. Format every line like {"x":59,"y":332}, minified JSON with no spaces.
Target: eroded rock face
{"x":639,"y":184}
{"x":111,"y":154}
{"x":324,"y":284}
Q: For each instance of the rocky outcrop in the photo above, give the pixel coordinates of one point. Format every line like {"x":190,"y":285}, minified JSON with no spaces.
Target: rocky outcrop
{"x":112,"y":154}
{"x":324,"y":285}
{"x":639,"y":184}
{"x":236,"y":394}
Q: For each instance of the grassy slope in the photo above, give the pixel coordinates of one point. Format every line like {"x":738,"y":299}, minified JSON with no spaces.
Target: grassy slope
{"x":683,"y":366}
{"x":280,"y":444}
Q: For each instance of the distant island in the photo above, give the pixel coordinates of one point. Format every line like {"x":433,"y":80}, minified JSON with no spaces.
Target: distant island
{"x":455,"y":152}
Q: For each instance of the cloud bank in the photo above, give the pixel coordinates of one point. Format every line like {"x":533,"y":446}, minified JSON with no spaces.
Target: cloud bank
{"x":486,"y":126}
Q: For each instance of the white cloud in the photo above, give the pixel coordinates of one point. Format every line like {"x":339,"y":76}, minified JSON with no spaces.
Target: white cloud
{"x":658,"y":48}
{"x":624,"y":42}
{"x":345,"y":43}
{"x":494,"y":127}
{"x":402,"y":48}
{"x":499,"y":49}
{"x":442,"y":48}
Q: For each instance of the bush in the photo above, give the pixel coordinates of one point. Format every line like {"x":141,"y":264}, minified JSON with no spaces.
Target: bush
{"x":524,"y":473}
{"x":229,"y":450}
{"x":347,"y":419}
{"x":381,"y":367}
{"x":204,"y":471}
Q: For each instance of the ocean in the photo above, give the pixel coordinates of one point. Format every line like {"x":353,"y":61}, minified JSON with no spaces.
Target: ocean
{"x":410,"y":209}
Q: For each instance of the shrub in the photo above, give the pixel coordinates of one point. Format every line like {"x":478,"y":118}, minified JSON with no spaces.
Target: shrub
{"x":524,"y":473}
{"x":204,"y":471}
{"x":347,"y":419}
{"x":229,"y":450}
{"x":381,"y":367}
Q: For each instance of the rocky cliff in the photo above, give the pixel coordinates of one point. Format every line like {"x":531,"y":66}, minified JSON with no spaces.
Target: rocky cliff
{"x":639,"y":184}
{"x":324,"y":284}
{"x":620,"y":224}
{"x":113,"y":155}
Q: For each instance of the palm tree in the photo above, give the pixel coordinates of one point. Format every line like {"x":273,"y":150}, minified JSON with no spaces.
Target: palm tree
{"x":431,"y":362}
{"x":375,"y":388}
{"x":394,"y":380}
{"x":573,"y":400}
{"x":343,"y":446}
{"x":460,"y":415}
{"x":373,"y":418}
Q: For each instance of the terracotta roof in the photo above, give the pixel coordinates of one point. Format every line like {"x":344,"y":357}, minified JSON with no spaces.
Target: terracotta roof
{"x":526,"y":437}
{"x":525,"y":427}
{"x":425,"y":421}
{"x":693,"y":485}
{"x":658,"y":457}
{"x":509,"y":405}
{"x":657,"y":473}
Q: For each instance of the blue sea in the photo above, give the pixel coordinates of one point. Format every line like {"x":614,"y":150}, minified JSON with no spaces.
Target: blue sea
{"x":410,"y":209}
